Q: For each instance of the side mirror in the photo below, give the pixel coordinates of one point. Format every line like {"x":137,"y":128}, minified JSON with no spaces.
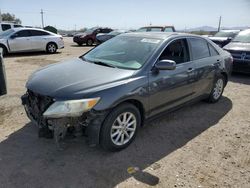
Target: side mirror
{"x":13,"y":36}
{"x":165,"y":65}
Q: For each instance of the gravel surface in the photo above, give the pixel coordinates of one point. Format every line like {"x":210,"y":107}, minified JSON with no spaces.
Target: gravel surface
{"x":202,"y":145}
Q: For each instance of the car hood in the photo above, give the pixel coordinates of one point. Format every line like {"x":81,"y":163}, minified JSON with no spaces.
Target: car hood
{"x":220,"y":39}
{"x":75,"y":79}
{"x":238,"y":46}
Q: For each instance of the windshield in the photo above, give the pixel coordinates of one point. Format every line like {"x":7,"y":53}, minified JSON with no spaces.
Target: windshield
{"x":89,"y":31}
{"x":243,"y":36}
{"x":225,"y":34}
{"x":127,"y":52}
{"x":6,"y":33}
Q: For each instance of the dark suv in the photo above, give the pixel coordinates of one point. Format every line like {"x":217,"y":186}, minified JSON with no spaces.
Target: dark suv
{"x":3,"y":89}
{"x":89,"y":36}
{"x":110,"y":91}
{"x":240,"y":50}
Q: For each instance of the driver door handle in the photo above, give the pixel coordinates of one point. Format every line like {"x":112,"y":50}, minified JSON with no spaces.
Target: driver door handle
{"x":190,"y":70}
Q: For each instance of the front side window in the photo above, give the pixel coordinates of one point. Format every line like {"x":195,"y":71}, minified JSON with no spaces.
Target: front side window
{"x":5,"y":27}
{"x":23,"y":33}
{"x":127,"y":52}
{"x":176,"y":51}
{"x":199,"y":48}
{"x":142,"y":29}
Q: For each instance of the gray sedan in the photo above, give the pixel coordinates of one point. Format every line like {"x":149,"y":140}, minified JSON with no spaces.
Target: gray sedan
{"x":29,"y":39}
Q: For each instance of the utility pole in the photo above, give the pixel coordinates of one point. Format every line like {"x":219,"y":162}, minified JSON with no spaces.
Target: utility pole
{"x":42,"y":18}
{"x":0,"y":16}
{"x":219,"y":24}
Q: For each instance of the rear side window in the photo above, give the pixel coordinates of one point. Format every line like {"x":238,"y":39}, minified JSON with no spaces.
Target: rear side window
{"x":213,"y":51}
{"x":38,"y":33}
{"x":5,"y":27}
{"x":23,"y":33}
{"x":168,"y":29}
{"x":156,"y":29}
{"x":199,"y":48}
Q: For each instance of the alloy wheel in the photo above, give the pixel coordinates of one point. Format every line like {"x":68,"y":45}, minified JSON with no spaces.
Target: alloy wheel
{"x":123,"y":128}
{"x":218,"y":89}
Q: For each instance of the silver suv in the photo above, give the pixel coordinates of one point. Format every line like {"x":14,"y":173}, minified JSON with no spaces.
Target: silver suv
{"x":30,"y":39}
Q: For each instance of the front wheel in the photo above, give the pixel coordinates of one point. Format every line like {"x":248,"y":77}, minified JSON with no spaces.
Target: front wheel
{"x":217,"y":90}
{"x":120,"y":127}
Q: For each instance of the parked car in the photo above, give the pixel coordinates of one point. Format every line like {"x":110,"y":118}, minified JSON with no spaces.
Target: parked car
{"x":89,"y":36}
{"x":157,"y":29}
{"x":102,"y":37}
{"x":3,"y":89}
{"x":6,"y":25}
{"x":223,"y":37}
{"x":240,"y":50}
{"x":30,"y":39}
{"x":113,"y":89}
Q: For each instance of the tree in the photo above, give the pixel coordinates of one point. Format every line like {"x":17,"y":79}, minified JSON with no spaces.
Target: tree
{"x":51,"y":29}
{"x":10,"y":18}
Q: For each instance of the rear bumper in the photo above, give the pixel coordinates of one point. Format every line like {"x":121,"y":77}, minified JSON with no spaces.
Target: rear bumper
{"x":60,"y":44}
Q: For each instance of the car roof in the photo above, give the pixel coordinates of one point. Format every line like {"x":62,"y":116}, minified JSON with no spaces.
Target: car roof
{"x":28,"y":28}
{"x":158,"y":35}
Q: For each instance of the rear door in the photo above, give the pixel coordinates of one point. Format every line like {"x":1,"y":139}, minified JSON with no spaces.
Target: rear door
{"x":207,"y":60}
{"x":20,"y":41}
{"x":170,"y":88}
{"x":38,"y":39}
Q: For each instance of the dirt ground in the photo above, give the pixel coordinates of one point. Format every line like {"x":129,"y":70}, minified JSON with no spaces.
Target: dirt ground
{"x":203,"y":145}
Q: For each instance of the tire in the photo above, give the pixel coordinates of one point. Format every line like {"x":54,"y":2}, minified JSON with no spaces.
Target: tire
{"x":217,"y":90}
{"x":79,"y":44}
{"x":51,"y":48}
{"x":120,"y":131}
{"x":5,"y":51}
{"x":89,"y":42}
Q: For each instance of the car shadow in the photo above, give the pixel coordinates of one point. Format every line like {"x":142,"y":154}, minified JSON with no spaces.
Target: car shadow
{"x":32,"y":162}
{"x":240,"y":78}
{"x":82,"y":46}
{"x":29,"y":54}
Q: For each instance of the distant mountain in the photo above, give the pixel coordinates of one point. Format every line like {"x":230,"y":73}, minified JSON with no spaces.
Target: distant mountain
{"x":202,"y":28}
{"x":210,"y":29}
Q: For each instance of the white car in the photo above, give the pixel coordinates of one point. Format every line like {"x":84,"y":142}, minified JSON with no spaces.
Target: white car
{"x":29,"y":40}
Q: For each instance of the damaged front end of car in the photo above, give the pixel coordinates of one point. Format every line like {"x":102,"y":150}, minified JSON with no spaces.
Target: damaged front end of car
{"x":57,"y":118}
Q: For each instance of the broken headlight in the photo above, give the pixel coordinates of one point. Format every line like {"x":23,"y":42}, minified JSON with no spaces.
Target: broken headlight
{"x":70,"y":108}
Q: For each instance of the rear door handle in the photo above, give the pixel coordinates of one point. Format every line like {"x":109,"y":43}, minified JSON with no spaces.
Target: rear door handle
{"x":190,"y":70}
{"x":218,"y":60}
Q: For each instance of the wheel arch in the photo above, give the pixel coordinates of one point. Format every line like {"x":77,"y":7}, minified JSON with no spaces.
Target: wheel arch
{"x":52,"y":42}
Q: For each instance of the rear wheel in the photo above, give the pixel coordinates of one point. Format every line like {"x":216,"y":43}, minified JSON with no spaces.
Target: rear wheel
{"x":51,"y":48}
{"x":120,"y":127}
{"x":90,"y":42}
{"x":217,"y":90}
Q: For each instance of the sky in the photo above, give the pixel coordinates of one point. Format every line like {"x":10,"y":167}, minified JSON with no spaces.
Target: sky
{"x":129,"y":14}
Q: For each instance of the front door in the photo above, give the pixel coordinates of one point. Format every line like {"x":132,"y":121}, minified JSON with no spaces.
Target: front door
{"x":169,"y":88}
{"x":20,"y":41}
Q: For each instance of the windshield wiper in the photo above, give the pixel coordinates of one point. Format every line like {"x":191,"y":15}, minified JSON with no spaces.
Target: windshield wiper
{"x":104,"y":64}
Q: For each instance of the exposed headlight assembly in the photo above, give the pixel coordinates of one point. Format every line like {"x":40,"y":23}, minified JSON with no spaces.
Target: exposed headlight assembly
{"x":70,"y":108}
